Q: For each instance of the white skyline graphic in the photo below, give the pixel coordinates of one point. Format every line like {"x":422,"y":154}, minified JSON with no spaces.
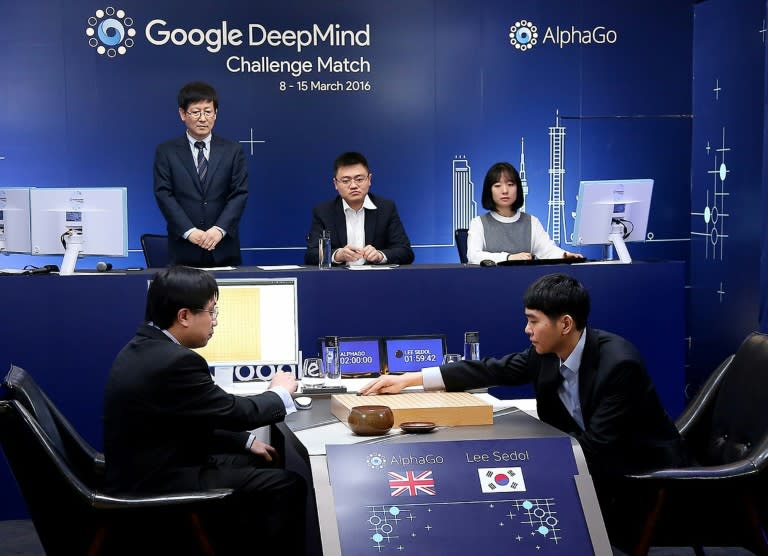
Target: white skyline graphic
{"x":464,"y":206}
{"x":556,"y":205}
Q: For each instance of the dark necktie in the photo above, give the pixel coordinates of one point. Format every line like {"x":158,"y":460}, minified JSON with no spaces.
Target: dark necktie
{"x":202,"y":163}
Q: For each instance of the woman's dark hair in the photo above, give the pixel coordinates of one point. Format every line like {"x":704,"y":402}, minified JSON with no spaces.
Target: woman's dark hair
{"x":556,"y":295}
{"x":494,"y":175}
{"x":175,"y":288}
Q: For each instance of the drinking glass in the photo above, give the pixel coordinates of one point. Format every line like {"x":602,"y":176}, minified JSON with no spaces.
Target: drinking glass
{"x":312,"y":372}
{"x":451,"y":358}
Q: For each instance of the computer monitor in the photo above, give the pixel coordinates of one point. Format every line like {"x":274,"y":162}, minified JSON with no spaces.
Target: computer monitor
{"x":14,"y":220}
{"x":612,"y":212}
{"x":79,"y":222}
{"x":257,"y":327}
{"x":412,"y":353}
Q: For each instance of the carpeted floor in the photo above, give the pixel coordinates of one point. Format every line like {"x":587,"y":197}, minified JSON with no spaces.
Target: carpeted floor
{"x":18,"y":538}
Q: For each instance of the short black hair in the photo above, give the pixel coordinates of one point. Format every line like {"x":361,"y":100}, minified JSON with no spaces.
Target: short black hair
{"x":494,"y":175}
{"x":197,"y":91}
{"x":175,"y":288}
{"x":350,"y":158}
{"x":559,"y":294}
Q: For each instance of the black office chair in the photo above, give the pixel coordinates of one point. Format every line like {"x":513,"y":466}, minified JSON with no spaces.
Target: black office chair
{"x":720,"y":499}
{"x":460,"y":236}
{"x":155,"y":247}
{"x":61,"y":479}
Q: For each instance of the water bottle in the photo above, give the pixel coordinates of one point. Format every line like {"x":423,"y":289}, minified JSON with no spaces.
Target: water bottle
{"x":332,"y":367}
{"x":471,"y":346}
{"x":324,"y":250}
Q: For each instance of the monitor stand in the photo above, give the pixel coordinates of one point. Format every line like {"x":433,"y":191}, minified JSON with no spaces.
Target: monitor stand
{"x":617,"y":241}
{"x":74,"y":246}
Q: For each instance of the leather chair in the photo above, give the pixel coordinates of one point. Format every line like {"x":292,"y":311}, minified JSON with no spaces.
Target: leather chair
{"x":61,"y":477}
{"x":155,"y":248}
{"x":460,"y":237}
{"x":720,"y":499}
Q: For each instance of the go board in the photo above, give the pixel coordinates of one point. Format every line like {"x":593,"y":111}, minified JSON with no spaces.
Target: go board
{"x":442,"y":408}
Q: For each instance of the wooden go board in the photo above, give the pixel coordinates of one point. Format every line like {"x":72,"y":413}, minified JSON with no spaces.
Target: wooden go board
{"x":442,"y":408}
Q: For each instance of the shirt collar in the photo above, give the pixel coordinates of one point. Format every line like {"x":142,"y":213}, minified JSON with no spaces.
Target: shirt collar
{"x":367,"y":204}
{"x":574,"y":359}
{"x":206,"y":140}
{"x":505,"y":219}
{"x":164,"y":331}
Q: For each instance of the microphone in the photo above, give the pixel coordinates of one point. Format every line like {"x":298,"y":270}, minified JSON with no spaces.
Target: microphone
{"x":101,"y":266}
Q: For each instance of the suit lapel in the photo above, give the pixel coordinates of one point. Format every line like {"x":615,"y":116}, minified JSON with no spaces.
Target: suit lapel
{"x":370,"y":226}
{"x":214,"y":159}
{"x":189,"y":163}
{"x":549,"y":374}
{"x":588,"y":372}
{"x":340,"y":222}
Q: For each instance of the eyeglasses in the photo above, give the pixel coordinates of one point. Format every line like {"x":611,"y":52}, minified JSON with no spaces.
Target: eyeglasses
{"x":197,"y":114}
{"x":213,"y":312}
{"x":359,"y":180}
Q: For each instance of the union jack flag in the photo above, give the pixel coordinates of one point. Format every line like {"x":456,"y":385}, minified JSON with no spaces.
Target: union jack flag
{"x":411,"y":484}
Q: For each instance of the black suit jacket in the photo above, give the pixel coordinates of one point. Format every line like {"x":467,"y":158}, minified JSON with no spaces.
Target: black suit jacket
{"x":164,"y":417}
{"x":383,"y":230}
{"x":626,"y":427}
{"x":187,"y":203}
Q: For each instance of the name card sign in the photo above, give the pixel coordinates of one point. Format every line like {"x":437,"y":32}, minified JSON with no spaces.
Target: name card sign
{"x":489,"y":497}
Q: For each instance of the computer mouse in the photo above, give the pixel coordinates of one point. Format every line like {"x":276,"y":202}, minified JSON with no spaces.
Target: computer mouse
{"x":487,"y":262}
{"x":303,"y":402}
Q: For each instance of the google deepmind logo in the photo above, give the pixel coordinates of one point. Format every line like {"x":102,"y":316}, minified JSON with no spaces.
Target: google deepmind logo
{"x":110,"y":32}
{"x":524,"y":35}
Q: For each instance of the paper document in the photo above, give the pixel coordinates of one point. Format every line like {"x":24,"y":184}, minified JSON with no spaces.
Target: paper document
{"x":280,"y":267}
{"x":373,"y":267}
{"x":218,"y":268}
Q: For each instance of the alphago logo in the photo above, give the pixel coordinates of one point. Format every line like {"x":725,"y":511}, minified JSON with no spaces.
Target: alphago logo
{"x":110,"y":32}
{"x":523,"y":35}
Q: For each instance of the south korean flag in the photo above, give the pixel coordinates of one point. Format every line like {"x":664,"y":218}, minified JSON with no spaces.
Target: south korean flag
{"x":501,"y":479}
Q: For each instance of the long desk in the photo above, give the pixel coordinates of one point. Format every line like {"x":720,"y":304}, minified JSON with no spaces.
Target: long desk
{"x":66,"y":330}
{"x":315,"y":429}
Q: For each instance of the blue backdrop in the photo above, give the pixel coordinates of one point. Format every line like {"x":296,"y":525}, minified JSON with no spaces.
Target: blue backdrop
{"x":442,"y":83}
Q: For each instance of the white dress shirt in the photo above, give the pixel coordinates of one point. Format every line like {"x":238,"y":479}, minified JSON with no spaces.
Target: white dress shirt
{"x":356,"y":227}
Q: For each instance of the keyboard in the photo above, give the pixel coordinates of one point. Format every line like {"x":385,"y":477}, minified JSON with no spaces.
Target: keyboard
{"x":534,"y":262}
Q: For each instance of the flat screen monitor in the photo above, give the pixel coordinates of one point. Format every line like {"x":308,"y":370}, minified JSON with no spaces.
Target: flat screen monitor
{"x":14,"y":220}
{"x":257,"y":325}
{"x":359,"y":356}
{"x":412,"y":353}
{"x":612,"y":212}
{"x":99,"y":215}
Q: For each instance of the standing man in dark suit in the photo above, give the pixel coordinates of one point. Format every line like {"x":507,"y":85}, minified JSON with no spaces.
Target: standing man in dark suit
{"x":169,"y":428}
{"x":589,"y":383}
{"x":201,"y":185}
{"x":364,"y":228}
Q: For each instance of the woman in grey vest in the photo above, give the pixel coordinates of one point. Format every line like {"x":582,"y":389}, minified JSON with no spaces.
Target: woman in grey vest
{"x":505,"y":233}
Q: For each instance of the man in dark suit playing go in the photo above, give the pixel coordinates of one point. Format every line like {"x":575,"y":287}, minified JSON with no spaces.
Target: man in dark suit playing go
{"x":168,"y":428}
{"x":589,"y":383}
{"x":201,"y":185}
{"x":364,"y":228}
